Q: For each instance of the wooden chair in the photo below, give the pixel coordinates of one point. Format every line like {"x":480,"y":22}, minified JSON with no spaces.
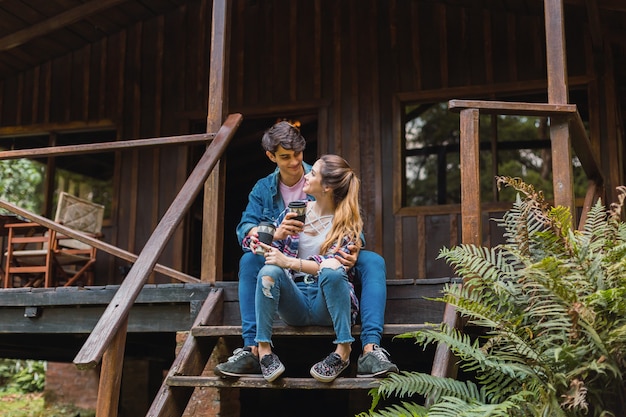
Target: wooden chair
{"x":28,"y":259}
{"x":45,"y":256}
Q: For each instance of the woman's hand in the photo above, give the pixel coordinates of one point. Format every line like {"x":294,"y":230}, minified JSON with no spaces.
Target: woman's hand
{"x":288,"y":227}
{"x":275,"y":257}
{"x":348,"y":259}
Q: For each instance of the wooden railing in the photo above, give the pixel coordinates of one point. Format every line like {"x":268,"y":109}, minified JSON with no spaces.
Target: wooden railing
{"x":107,"y":340}
{"x":72,"y":150}
{"x":563,"y":116}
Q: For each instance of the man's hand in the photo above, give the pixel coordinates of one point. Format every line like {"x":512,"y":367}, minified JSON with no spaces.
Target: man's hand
{"x":348,"y":259}
{"x":288,"y":227}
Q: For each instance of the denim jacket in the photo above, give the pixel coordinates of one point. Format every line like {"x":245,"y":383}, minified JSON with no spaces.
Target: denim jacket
{"x":265,"y":203}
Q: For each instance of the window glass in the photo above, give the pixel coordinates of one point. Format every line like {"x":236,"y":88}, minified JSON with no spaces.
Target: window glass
{"x":513,"y":146}
{"x":89,"y":176}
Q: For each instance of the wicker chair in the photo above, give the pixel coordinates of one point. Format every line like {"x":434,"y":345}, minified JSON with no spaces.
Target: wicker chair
{"x":37,"y":256}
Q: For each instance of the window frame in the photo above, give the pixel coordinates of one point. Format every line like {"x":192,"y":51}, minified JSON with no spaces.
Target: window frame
{"x":53,"y":132}
{"x":486,"y":92}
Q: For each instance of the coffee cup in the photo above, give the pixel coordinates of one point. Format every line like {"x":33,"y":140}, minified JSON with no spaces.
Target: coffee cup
{"x":265,"y":231}
{"x":298,"y":207}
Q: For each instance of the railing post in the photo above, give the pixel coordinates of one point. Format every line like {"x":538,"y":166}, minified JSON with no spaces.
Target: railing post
{"x":213,"y":208}
{"x":562,"y":171}
{"x":111,"y":374}
{"x":471,"y":217}
{"x":444,"y":364}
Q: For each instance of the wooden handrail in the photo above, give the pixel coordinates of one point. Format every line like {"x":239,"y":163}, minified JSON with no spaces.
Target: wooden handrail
{"x":106,"y":146}
{"x":118,"y":309}
{"x":580,"y":140}
{"x":564,"y":115}
{"x":583,"y":150}
{"x":513,"y":108}
{"x":96,"y":243}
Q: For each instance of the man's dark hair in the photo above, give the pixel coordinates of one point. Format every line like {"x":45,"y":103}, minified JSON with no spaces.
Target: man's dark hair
{"x":283,"y":134}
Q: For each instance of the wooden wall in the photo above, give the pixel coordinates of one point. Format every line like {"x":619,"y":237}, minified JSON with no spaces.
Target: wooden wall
{"x":351,"y":62}
{"x":148,"y":81}
{"x":361,"y":59}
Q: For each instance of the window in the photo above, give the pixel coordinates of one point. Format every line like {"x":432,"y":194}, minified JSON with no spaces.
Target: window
{"x":87,"y":176}
{"x":512,"y":146}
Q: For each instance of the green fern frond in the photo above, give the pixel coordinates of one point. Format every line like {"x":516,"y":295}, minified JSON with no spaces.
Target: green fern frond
{"x":470,"y":261}
{"x":477,"y":359}
{"x":620,"y":233}
{"x":551,"y":306}
{"x":596,"y":226}
{"x":406,"y":384}
{"x":454,"y":407}
{"x":404,"y":409}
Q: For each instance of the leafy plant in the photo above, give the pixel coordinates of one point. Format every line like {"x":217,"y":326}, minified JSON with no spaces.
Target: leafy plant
{"x":550,"y":305}
{"x":22,"y":375}
{"x":20,"y":183}
{"x":34,"y":405}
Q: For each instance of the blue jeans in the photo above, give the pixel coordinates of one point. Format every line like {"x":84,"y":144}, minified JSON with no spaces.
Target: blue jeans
{"x":323,"y":302}
{"x":370,"y":275}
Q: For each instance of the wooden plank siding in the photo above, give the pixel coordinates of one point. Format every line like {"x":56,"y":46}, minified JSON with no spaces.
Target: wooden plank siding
{"x":350,"y":64}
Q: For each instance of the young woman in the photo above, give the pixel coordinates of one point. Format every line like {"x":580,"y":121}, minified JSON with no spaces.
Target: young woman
{"x":302,"y":280}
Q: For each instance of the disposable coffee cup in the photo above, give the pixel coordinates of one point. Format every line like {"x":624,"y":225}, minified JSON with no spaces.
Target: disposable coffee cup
{"x":265,"y":230}
{"x":298,"y":207}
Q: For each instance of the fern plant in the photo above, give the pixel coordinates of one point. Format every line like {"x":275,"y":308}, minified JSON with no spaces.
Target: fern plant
{"x":551,"y":307}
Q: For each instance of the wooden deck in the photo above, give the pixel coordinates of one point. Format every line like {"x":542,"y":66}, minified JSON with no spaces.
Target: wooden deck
{"x":53,"y":323}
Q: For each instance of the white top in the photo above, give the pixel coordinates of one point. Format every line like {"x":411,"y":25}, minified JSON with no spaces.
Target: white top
{"x":315,"y":230}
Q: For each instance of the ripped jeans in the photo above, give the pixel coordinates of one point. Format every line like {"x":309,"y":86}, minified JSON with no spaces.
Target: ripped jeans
{"x":325,"y":302}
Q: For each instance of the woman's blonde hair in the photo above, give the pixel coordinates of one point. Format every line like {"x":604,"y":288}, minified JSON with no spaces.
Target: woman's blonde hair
{"x":337,"y":174}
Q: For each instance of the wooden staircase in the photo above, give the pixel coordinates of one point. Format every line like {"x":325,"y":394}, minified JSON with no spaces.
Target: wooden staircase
{"x":407,"y":310}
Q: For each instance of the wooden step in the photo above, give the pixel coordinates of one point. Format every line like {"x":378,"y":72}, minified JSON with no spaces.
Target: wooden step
{"x":280,"y":383}
{"x":284,"y":330}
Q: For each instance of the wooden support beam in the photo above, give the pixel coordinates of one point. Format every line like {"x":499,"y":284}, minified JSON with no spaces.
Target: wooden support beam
{"x":471,"y":227}
{"x":213,"y":208}
{"x":111,"y":375}
{"x":562,"y":170}
{"x":55,"y":23}
{"x":584,"y":151}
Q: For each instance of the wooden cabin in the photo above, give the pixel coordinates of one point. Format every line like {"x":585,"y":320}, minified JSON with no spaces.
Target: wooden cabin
{"x":123,"y":100}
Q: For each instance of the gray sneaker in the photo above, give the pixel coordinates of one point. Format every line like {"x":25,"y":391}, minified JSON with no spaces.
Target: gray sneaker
{"x":271,"y":367}
{"x":242,"y":363}
{"x":375,"y":363}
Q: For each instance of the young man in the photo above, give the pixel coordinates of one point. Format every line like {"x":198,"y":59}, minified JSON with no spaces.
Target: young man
{"x":283,"y":145}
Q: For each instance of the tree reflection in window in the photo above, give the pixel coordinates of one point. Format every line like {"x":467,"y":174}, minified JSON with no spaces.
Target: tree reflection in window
{"x":88,"y":175}
{"x":515,"y":146}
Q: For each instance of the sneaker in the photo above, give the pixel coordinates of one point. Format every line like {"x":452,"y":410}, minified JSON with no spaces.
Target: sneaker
{"x":329,"y":368}
{"x":242,"y":363}
{"x":375,"y":363}
{"x":271,"y":367}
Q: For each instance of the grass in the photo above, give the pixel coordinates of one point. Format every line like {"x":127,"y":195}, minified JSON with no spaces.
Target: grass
{"x":33,"y":405}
